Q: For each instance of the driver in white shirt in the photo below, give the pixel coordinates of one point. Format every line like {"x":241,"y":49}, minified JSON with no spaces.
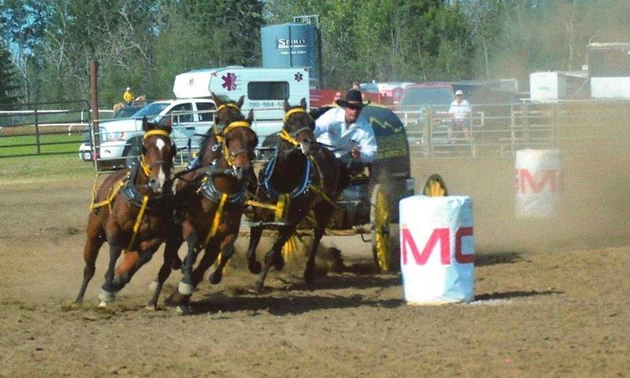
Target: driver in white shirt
{"x":350,"y":137}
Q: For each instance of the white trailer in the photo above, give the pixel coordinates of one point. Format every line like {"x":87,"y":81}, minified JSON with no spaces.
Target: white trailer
{"x":265,"y":90}
{"x":557,"y":85}
{"x":609,"y":70}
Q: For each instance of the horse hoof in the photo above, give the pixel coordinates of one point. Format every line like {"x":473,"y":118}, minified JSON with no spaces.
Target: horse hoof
{"x":183,"y":310}
{"x":254,"y":267}
{"x":309,"y":276}
{"x":102,"y":304}
{"x":215,"y":277}
{"x":278,"y":263}
{"x":106,"y":297}
{"x":151,"y":307}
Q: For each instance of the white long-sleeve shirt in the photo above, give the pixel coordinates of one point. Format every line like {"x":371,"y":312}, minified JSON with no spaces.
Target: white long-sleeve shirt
{"x":331,"y":129}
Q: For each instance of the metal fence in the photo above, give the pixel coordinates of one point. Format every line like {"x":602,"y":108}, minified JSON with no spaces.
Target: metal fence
{"x":501,"y":130}
{"x":52,"y":128}
{"x":495,"y":131}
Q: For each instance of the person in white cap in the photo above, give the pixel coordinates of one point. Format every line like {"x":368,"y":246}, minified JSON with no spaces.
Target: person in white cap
{"x":459,"y":114}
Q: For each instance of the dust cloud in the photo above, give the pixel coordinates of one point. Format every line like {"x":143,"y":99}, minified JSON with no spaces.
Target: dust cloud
{"x":594,"y":196}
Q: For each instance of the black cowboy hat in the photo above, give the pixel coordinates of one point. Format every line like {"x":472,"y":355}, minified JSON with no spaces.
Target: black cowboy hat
{"x":354,"y":99}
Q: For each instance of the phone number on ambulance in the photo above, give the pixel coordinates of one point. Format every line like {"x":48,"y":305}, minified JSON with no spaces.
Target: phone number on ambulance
{"x":266,"y":104}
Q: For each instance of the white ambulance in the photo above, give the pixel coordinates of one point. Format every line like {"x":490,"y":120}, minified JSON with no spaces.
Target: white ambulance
{"x":265,"y":90}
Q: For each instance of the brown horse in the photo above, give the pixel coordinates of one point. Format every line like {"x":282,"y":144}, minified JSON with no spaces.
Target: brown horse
{"x":131,"y":211}
{"x":210,"y":202}
{"x":302,"y":176}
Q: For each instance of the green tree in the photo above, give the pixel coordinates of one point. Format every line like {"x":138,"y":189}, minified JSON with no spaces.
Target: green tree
{"x":8,"y":77}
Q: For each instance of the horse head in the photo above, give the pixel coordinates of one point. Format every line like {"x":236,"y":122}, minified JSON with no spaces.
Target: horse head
{"x":158,"y":151}
{"x":227,"y":112}
{"x":239,"y":143}
{"x":298,"y":127}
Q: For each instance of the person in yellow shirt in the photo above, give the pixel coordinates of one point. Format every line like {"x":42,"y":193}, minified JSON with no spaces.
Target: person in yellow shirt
{"x":128,"y":96}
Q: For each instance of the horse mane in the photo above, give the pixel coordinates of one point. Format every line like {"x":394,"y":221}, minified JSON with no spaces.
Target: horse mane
{"x":140,"y":100}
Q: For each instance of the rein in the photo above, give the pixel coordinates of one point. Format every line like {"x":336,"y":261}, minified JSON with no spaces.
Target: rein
{"x":290,"y":137}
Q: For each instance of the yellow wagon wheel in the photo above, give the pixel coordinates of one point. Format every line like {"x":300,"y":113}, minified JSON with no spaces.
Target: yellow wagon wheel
{"x":379,"y":218}
{"x":435,"y":187}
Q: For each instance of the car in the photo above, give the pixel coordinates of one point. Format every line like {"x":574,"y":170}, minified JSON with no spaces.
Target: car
{"x":437,"y":95}
{"x":120,"y":139}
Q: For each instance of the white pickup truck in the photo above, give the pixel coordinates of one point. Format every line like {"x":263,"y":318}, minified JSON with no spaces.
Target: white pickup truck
{"x":121,"y":139}
{"x":264,"y":91}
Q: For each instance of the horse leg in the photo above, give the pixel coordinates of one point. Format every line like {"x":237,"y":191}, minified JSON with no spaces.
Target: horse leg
{"x":210,"y":255}
{"x":254,"y":238}
{"x":322,"y":216}
{"x":123,"y":277}
{"x":309,"y":272}
{"x":186,"y":285}
{"x":170,"y":253}
{"x":93,"y":244}
{"x":107,"y":293}
{"x":271,"y":258}
{"x":227,"y":251}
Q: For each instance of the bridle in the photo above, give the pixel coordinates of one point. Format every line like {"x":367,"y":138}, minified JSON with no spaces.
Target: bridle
{"x":146,"y":168}
{"x":220,"y":135}
{"x":290,"y":137}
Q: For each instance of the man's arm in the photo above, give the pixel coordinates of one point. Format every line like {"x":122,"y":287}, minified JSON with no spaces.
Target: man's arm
{"x":323,"y":122}
{"x":367,"y":145}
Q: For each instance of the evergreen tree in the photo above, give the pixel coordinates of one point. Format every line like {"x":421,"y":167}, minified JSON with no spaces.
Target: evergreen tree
{"x":8,"y":88}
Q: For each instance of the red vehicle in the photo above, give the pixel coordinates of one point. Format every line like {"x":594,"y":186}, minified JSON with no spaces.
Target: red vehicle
{"x":326,"y":97}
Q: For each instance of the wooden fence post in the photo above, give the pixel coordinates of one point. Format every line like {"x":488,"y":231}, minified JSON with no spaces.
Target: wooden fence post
{"x":94,"y":113}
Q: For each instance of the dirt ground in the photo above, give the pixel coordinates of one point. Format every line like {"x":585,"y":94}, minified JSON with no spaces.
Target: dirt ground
{"x":551,"y":296}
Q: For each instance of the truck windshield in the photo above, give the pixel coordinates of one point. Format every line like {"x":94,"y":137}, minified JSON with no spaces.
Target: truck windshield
{"x":427,"y":96}
{"x":151,"y":110}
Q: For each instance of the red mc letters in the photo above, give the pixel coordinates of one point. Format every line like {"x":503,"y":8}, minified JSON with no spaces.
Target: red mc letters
{"x":441,"y":235}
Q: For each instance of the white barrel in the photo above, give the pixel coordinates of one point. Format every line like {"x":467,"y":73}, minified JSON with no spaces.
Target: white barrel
{"x":437,"y":249}
{"x":538,"y":174}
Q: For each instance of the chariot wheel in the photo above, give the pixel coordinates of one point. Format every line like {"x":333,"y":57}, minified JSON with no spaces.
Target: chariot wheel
{"x":435,"y":187}
{"x":380,"y":230}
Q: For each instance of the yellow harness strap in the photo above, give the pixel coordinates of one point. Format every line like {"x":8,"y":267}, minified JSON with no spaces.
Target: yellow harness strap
{"x":261,"y":204}
{"x":144,"y":166}
{"x":151,"y":133}
{"x":217,"y":219}
{"x":228,"y":105}
{"x":234,"y":125}
{"x":136,"y":226}
{"x":318,"y":189}
{"x":283,"y":203}
{"x":288,"y":137}
{"x":108,"y":201}
{"x":292,"y":111}
{"x":220,"y":135}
